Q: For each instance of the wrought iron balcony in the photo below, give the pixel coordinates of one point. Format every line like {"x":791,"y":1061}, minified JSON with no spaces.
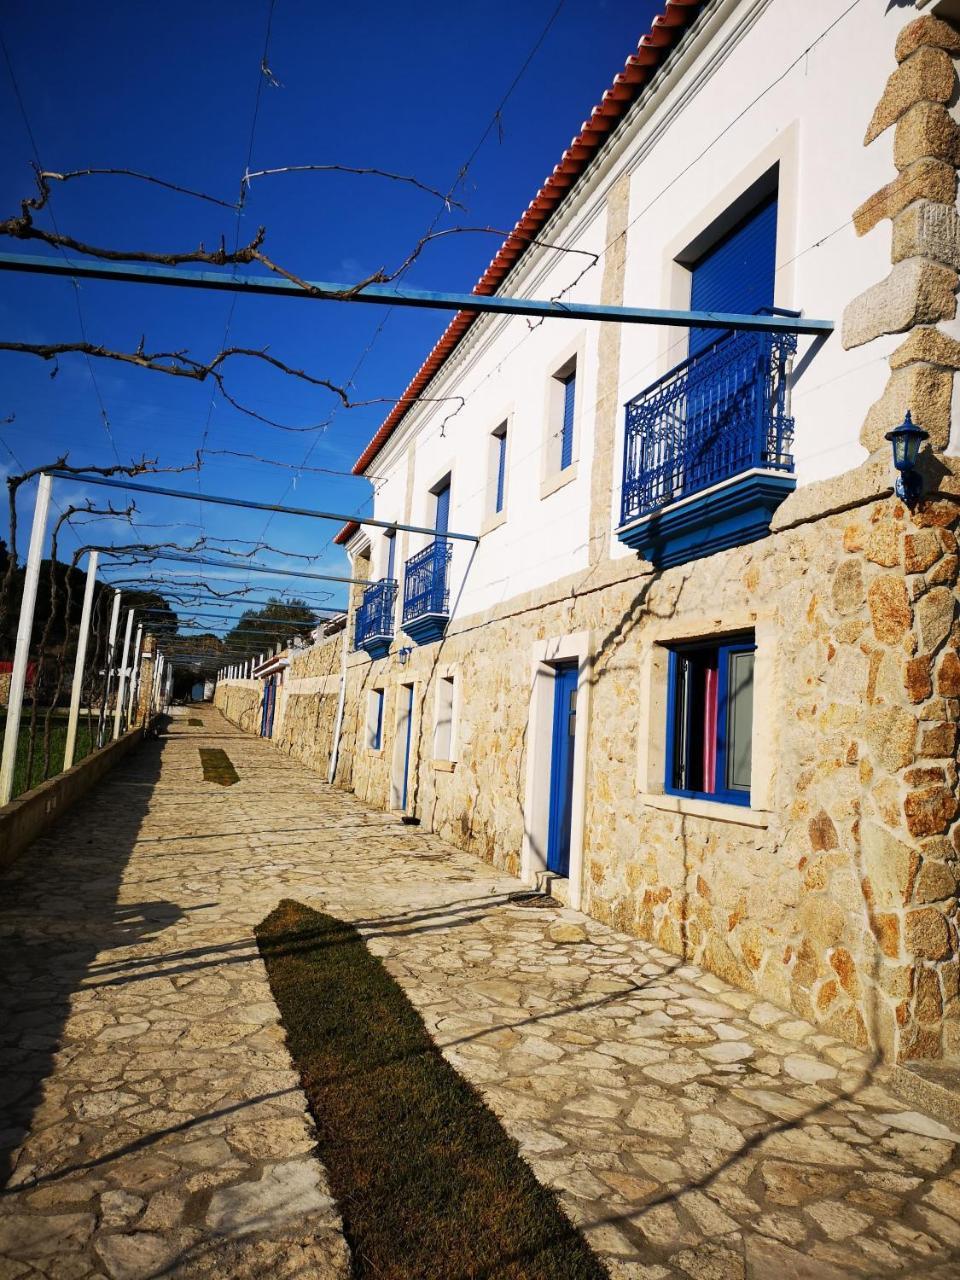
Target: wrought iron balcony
{"x":722,"y":414}
{"x":426,"y":595}
{"x":374,"y":622}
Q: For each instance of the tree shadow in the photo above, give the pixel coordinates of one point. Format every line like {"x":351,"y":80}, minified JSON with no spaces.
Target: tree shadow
{"x":60,"y":912}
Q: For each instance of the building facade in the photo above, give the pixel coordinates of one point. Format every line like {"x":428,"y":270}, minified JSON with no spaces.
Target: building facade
{"x":694,"y":664}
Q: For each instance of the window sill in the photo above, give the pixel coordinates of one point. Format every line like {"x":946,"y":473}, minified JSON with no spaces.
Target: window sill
{"x":557,"y":480}
{"x":444,"y":766}
{"x":719,"y":812}
{"x":493,"y":522}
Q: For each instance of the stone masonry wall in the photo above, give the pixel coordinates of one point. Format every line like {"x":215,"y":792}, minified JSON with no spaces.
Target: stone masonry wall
{"x":240,"y":702}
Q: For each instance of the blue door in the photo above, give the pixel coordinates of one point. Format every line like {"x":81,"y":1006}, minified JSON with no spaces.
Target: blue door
{"x":737,"y":274}
{"x":406,"y":745}
{"x":561,"y":768}
{"x":270,"y":702}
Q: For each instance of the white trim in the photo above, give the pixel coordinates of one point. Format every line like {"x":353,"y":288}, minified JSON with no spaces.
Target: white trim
{"x":713,"y":809}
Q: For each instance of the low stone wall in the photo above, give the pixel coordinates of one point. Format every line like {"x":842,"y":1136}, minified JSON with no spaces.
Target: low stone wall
{"x":27,"y":817}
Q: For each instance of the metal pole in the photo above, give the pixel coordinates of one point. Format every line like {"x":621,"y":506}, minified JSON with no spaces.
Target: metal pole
{"x":134,"y":677}
{"x":77,"y":687}
{"x":21,"y":658}
{"x":122,"y":684}
{"x":248,"y":504}
{"x":394,"y":296}
{"x":111,"y":665}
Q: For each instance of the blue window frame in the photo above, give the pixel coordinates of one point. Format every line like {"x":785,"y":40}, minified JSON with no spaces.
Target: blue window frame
{"x":569,"y":382}
{"x":376,"y":721}
{"x":710,"y":720}
{"x":501,"y":447}
{"x":442,"y":511}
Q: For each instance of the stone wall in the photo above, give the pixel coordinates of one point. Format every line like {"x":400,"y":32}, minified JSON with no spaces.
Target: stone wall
{"x":240,"y":702}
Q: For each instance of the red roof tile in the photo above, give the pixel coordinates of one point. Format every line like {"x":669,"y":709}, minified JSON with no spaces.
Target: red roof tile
{"x":652,"y":48}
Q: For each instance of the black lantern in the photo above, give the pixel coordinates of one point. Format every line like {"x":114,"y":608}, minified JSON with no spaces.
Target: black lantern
{"x":906,"y":440}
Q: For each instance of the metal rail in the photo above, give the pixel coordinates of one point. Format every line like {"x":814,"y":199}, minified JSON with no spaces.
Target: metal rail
{"x":395,"y":296}
{"x":250,"y":505}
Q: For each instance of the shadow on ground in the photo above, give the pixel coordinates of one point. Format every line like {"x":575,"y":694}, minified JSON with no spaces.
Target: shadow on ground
{"x":51,"y":932}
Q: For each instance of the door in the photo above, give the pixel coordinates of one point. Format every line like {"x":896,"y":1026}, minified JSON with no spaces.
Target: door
{"x":270,"y":707}
{"x":561,"y":768}
{"x":400,"y":779}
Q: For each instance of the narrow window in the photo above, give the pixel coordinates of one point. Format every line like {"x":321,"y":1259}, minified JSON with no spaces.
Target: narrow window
{"x":391,"y":538}
{"x":710,"y":721}
{"x":443,"y":724}
{"x":501,"y":447}
{"x":569,"y":382}
{"x":375,"y":719}
{"x":441,"y":519}
{"x":497,"y":470}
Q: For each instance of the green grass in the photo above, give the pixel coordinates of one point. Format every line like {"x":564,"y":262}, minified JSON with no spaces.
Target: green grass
{"x":217,"y":767}
{"x":58,"y":740}
{"x":427,"y":1180}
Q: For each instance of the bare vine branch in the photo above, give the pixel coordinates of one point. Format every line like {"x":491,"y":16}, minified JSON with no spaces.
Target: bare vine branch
{"x":249,"y":176}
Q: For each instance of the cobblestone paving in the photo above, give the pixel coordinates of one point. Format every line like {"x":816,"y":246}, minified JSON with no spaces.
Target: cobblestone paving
{"x":692,"y":1131}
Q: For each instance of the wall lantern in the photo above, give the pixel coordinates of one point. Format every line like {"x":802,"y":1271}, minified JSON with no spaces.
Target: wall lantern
{"x":906,"y":440}
{"x":403,"y":655}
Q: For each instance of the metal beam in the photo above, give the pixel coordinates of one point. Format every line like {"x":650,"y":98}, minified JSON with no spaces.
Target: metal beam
{"x":261,"y":622}
{"x":393,"y":296}
{"x":250,"y":567}
{"x":249,"y":505}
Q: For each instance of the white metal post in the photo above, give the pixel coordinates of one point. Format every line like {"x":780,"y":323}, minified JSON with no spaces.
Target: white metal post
{"x":21,"y":658}
{"x":78,"y":667}
{"x":122,"y":683}
{"x":111,"y":663}
{"x":134,"y":678}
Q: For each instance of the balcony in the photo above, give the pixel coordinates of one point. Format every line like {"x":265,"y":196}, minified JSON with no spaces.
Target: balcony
{"x":374,"y":623}
{"x":707,"y":456}
{"x":426,"y":596}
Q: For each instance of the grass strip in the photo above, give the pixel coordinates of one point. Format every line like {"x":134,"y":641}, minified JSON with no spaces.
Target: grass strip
{"x":58,"y":741}
{"x":428,"y":1182}
{"x":217,"y":767}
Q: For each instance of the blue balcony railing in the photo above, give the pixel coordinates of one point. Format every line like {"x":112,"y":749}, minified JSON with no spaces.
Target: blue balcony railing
{"x":374,"y":623}
{"x":718,"y":414}
{"x":426,"y":594}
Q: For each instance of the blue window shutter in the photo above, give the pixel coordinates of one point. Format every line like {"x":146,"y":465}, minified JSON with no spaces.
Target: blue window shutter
{"x":738,"y":273}
{"x":566,"y":434}
{"x":391,"y":554}
{"x":377,"y":737}
{"x":501,"y":468}
{"x":442,"y":519}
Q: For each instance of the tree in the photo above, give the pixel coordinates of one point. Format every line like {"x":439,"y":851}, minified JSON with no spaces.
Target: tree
{"x":276,"y":623}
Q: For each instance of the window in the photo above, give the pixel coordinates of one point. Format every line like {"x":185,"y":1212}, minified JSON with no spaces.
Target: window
{"x":441,"y":517}
{"x":443,"y":740}
{"x":737,"y":273}
{"x":710,"y":720}
{"x":497,"y":470}
{"x":391,"y":540}
{"x":568,"y":382}
{"x":375,"y":719}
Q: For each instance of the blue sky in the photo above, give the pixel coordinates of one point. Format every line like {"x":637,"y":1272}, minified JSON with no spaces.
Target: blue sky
{"x":170,"y":91}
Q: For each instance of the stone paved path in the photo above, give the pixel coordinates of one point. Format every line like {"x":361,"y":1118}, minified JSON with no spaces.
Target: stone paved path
{"x":154,"y":1125}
